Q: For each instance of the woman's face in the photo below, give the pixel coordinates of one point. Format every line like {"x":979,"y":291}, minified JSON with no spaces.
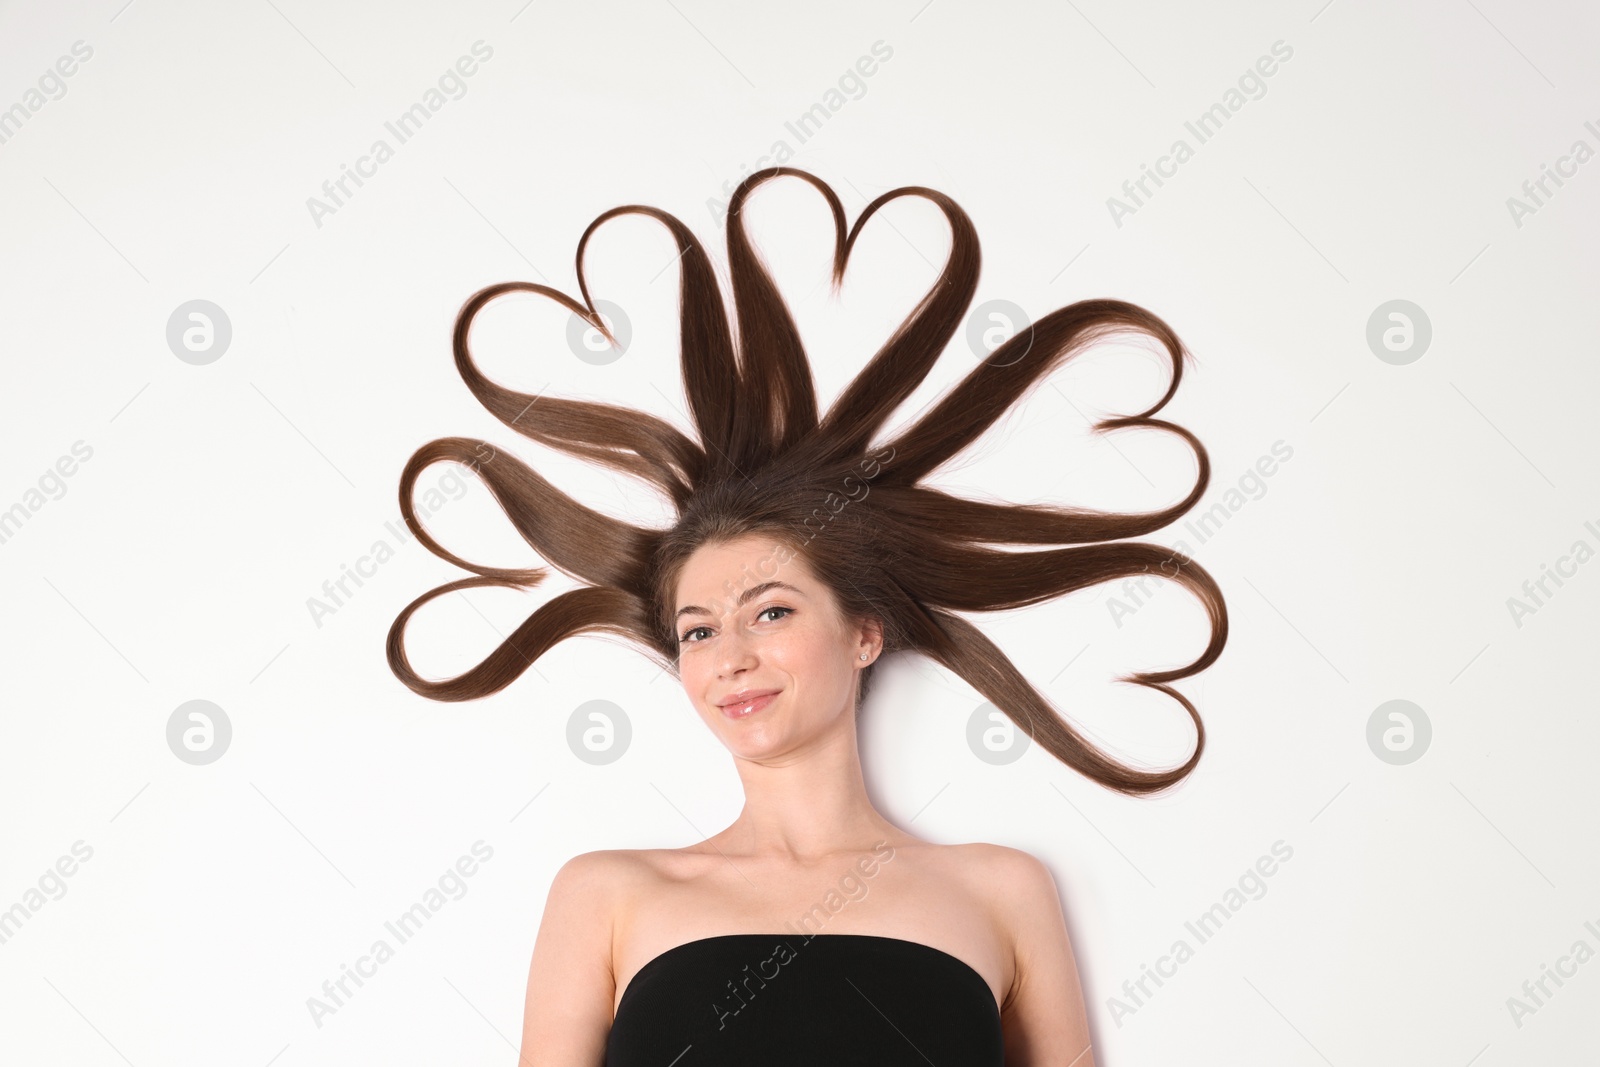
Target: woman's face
{"x":787,"y":639}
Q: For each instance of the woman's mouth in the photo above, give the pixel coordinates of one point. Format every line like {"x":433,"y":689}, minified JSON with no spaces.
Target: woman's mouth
{"x":749,"y":707}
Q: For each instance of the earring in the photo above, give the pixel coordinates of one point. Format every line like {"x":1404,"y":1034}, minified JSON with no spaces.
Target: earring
{"x":863,"y":655}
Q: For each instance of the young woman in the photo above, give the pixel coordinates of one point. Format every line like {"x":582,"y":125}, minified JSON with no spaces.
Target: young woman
{"x":812,"y":929}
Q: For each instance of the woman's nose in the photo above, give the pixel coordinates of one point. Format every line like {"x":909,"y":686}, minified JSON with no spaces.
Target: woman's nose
{"x":735,"y":654}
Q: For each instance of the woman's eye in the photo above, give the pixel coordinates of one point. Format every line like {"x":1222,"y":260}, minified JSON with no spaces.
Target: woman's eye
{"x":684,"y":638}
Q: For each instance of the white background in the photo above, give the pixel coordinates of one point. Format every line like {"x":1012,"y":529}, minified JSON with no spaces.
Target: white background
{"x":182,"y":560}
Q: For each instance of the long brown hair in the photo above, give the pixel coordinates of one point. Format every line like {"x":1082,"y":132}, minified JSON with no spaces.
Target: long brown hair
{"x":891,"y":549}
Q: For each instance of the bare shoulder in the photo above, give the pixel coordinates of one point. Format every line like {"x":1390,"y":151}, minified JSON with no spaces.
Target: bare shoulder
{"x":1044,"y":1017}
{"x":607,"y":870}
{"x":1000,"y":858}
{"x":598,"y":890}
{"x":567,"y":1014}
{"x":587,"y":889}
{"x":1016,"y":882}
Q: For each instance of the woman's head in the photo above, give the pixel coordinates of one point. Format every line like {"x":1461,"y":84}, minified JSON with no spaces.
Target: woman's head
{"x":891,"y":560}
{"x":752,"y":617}
{"x":812,"y":526}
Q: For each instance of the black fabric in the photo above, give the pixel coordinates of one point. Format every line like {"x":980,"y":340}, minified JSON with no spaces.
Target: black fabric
{"x":792,"y":1000}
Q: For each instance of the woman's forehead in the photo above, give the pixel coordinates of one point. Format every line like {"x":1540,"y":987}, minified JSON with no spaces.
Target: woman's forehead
{"x":725,"y":572}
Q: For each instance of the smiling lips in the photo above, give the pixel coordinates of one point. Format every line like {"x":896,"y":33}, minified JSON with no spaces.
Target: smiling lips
{"x":743,"y":705}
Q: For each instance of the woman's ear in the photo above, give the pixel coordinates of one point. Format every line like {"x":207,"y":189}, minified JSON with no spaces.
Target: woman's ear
{"x":872,"y":638}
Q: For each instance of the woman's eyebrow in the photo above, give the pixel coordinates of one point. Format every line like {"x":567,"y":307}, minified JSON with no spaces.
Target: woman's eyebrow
{"x":744,"y":598}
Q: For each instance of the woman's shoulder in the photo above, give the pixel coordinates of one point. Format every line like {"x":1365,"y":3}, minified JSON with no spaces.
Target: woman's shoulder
{"x":1025,"y":873}
{"x":620,"y":874}
{"x":1014,"y":884}
{"x":607,"y":867}
{"x":987,"y":860}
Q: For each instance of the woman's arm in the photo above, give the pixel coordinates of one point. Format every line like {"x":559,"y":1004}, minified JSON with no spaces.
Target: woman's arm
{"x":1044,"y":1021}
{"x":570,"y":985}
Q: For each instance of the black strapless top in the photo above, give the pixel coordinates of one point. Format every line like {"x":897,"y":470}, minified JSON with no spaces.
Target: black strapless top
{"x":792,"y":1000}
